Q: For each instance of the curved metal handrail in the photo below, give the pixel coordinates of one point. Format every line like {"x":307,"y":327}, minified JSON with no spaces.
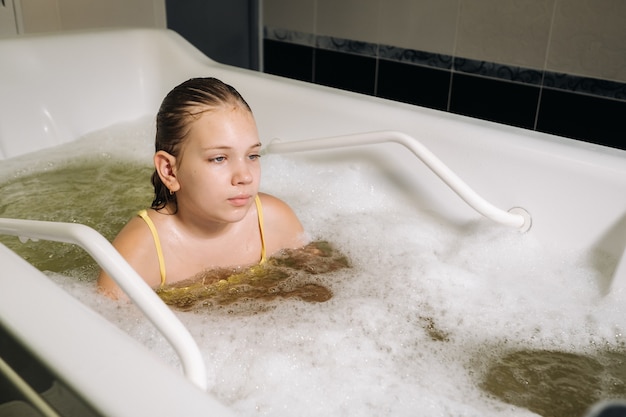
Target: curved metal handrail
{"x":126,"y":278}
{"x":516,"y":217}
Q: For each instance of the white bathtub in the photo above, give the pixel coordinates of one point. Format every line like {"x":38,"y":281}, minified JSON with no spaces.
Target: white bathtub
{"x":55,"y":89}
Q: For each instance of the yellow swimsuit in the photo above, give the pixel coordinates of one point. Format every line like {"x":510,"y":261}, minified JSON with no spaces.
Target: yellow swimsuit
{"x":144,"y":215}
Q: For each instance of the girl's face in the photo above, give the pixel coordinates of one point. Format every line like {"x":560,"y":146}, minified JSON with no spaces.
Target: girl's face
{"x":218,"y":169}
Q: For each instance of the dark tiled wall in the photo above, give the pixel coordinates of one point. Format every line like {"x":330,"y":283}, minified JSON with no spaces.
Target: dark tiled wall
{"x":587,"y":109}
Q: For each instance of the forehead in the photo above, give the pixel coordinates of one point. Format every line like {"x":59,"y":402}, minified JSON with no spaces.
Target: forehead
{"x":224,"y":124}
{"x":200,"y":111}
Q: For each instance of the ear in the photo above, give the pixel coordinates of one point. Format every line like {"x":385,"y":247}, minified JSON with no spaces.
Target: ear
{"x":165,"y":165}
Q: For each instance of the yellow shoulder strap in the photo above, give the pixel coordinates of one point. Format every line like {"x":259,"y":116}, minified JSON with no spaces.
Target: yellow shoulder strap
{"x":259,"y":210}
{"x":144,"y":215}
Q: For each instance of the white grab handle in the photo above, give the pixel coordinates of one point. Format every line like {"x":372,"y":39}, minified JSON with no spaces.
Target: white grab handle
{"x":516,"y":217}
{"x":126,"y":278}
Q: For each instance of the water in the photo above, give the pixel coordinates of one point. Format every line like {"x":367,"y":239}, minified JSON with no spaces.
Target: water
{"x":431,"y":318}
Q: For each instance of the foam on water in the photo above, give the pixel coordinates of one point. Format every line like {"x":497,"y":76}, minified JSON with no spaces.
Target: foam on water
{"x":411,"y":327}
{"x":130,"y":141}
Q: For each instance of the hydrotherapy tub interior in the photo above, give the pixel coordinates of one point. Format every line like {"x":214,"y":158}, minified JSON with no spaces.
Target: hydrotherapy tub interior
{"x":567,"y":198}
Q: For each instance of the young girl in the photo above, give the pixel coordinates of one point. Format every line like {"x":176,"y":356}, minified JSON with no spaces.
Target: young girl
{"x":207,"y":212}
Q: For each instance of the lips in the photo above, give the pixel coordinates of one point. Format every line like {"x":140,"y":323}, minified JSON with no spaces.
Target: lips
{"x":240,"y":200}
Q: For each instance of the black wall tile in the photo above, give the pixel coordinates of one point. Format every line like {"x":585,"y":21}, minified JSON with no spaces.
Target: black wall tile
{"x":411,"y":56}
{"x":498,"y":71}
{"x":413,"y":84}
{"x":495,"y":100}
{"x":585,"y":85}
{"x":288,"y":60}
{"x":346,"y":71}
{"x":346,"y":46}
{"x":566,"y":105}
{"x":578,"y":116}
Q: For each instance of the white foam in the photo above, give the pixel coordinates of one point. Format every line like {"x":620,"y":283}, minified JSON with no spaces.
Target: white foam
{"x":424,"y":306}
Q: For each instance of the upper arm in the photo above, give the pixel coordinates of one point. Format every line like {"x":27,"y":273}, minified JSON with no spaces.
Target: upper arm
{"x":136,"y":245}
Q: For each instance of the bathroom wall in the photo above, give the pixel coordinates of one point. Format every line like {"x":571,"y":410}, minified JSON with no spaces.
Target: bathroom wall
{"x":56,"y":15}
{"x":557,"y":66}
{"x":227,"y":31}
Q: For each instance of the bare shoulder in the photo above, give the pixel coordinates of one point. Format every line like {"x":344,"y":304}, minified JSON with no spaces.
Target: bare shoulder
{"x":272,"y":203}
{"x":133,"y":235}
{"x":136,"y":245}
{"x":282,"y":226}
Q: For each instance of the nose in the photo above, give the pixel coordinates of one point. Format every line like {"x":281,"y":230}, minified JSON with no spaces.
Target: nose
{"x":241,"y":174}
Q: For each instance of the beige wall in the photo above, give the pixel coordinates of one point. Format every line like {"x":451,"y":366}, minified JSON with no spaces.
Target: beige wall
{"x":578,"y":37}
{"x":56,"y":15}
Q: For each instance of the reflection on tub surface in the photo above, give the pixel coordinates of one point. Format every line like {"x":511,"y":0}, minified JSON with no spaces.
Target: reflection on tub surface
{"x":405,"y":323}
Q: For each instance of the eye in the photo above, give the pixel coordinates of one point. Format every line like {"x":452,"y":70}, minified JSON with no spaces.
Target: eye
{"x":217,"y":159}
{"x":254,"y":156}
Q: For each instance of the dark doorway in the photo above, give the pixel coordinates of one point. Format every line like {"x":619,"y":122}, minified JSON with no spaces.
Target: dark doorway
{"x":226,"y":31}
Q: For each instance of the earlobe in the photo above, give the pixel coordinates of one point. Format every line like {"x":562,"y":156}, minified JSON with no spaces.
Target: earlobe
{"x":165,"y":165}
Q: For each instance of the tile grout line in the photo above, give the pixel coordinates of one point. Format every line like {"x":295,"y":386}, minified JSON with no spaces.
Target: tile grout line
{"x":545,"y":65}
